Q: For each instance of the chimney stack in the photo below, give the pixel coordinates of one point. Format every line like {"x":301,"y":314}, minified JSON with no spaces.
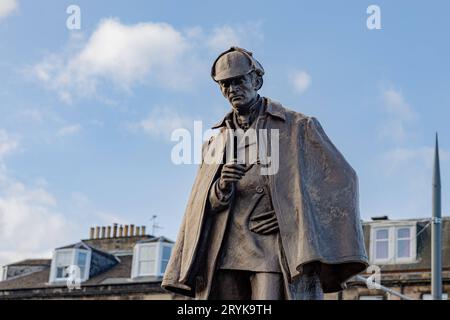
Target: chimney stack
{"x":116,"y":231}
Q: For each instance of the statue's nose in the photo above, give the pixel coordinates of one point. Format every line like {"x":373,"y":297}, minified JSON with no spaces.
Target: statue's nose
{"x":234,"y":87}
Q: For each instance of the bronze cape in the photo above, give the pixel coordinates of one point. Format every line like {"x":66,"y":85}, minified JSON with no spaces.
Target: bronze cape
{"x":315,"y":198}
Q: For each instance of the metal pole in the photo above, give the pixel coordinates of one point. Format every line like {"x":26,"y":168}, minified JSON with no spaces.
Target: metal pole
{"x":436,"y":230}
{"x":383,"y":288}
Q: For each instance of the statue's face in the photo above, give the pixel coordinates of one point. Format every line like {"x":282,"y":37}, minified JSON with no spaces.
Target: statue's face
{"x":240,"y":91}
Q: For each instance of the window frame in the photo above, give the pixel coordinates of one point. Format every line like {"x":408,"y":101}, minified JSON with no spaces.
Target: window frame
{"x":154,"y":260}
{"x":389,"y":243}
{"x":86,"y":263}
{"x":412,"y":245}
{"x":74,"y":252}
{"x":393,"y":238}
{"x":158,"y":247}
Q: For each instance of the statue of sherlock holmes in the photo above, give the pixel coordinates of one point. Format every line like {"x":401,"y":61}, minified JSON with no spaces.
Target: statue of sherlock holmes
{"x":288,"y":228}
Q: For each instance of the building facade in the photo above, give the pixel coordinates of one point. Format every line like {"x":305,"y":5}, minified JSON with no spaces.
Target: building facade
{"x":400,"y":250}
{"x":118,"y":262}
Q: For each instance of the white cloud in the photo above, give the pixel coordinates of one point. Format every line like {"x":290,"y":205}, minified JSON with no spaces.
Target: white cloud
{"x":33,"y":223}
{"x":242,"y":35}
{"x":405,"y":177}
{"x":7,"y":144}
{"x":404,"y":169}
{"x":396,"y":105}
{"x":155,"y":54}
{"x":400,"y":116}
{"x":69,"y":130}
{"x":223,"y":38}
{"x":87,"y":212}
{"x":7,"y":7}
{"x":398,"y":160}
{"x":301,"y":81}
{"x":121,"y":54}
{"x":30,"y":223}
{"x":32,"y":220}
{"x":31,"y":115}
{"x":162,"y":121}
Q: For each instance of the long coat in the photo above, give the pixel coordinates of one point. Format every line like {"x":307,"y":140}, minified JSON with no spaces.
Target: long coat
{"x":315,"y":198}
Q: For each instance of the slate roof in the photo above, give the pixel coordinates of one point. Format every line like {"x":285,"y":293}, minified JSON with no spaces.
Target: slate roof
{"x":118,"y":274}
{"x":32,"y":262}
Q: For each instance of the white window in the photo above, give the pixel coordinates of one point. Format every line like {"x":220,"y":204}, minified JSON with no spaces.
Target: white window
{"x":393,"y":243}
{"x":403,"y":243}
{"x":167,"y":250}
{"x":147,"y":259}
{"x":150,"y":258}
{"x":381,"y":244}
{"x":63,"y":261}
{"x":429,"y":296}
{"x":81,"y":262}
{"x":4,"y":273}
{"x":64,"y":258}
{"x":370,"y":297}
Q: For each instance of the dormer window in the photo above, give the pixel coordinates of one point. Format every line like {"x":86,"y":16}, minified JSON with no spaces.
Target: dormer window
{"x":64,"y":258}
{"x":393,"y":243}
{"x":150,"y":257}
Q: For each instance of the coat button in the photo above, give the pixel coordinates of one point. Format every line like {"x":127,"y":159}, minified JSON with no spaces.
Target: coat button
{"x":259,"y":189}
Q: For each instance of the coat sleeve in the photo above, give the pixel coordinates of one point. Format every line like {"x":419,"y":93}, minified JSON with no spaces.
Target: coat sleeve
{"x":217,"y":199}
{"x":331,"y":187}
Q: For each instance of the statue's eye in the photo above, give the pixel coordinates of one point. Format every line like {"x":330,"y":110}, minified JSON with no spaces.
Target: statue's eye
{"x":240,"y":80}
{"x":224,"y":84}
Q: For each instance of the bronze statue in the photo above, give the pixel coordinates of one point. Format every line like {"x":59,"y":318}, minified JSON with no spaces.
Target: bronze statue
{"x":292,"y":234}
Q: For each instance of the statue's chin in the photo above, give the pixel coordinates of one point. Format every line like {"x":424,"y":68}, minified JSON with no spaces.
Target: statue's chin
{"x":242,"y":109}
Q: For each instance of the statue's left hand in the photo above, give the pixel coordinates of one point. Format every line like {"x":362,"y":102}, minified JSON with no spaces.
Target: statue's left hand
{"x":264,"y":223}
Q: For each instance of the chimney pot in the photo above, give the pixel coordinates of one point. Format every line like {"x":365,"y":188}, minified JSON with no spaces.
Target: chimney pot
{"x":121,"y":231}
{"x":131,"y":230}
{"x":137,"y":234}
{"x":91,"y":233}
{"x":115,"y":230}
{"x":143,"y":230}
{"x":126,"y":231}
{"x":103,"y":232}
{"x":108,"y":232}
{"x":97,"y":232}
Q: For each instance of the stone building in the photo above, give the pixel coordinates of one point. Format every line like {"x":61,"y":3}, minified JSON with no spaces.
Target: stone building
{"x":401,"y":249}
{"x":118,"y":262}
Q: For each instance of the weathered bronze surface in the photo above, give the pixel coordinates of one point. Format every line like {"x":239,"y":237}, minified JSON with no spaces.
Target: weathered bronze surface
{"x":295,"y":234}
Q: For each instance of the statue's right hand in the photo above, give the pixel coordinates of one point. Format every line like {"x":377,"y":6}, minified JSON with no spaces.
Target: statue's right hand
{"x":231,"y":173}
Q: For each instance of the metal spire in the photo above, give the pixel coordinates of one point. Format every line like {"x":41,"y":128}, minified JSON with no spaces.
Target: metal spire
{"x":436,"y":230}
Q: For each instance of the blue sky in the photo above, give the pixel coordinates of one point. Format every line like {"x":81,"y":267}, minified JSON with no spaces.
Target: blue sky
{"x":87,"y":114}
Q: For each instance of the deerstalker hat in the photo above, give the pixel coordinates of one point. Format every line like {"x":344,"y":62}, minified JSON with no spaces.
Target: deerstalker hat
{"x":233,"y":63}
